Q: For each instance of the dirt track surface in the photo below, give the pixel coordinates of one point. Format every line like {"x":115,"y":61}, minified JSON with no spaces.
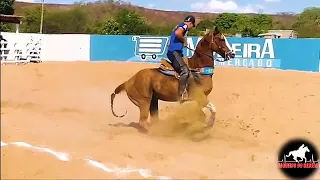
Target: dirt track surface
{"x":66,"y":107}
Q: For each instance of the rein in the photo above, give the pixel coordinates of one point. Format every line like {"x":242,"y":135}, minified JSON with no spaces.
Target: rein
{"x":207,"y":55}
{"x":211,"y":56}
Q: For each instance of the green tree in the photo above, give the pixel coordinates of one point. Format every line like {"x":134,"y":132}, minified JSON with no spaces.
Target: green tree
{"x":162,"y":30}
{"x":72,"y":21}
{"x":61,"y":21}
{"x":227,"y":21}
{"x":205,"y":24}
{"x":261,"y":23}
{"x":201,"y":27}
{"x":6,"y":7}
{"x":307,"y":23}
{"x":243,"y":26}
{"x":253,"y":25}
{"x":32,"y":19}
{"x":131,"y":23}
{"x":247,"y":25}
{"x":125,"y":22}
{"x":110,"y":27}
{"x":6,"y":27}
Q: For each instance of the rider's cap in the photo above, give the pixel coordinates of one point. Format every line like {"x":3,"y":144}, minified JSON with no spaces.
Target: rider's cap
{"x":190,"y":18}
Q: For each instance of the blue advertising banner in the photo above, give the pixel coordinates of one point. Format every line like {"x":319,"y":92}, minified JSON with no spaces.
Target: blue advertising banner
{"x":294,"y":54}
{"x":254,"y":53}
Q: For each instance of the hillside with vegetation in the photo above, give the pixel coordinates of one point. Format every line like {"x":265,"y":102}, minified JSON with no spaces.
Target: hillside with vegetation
{"x":116,"y":17}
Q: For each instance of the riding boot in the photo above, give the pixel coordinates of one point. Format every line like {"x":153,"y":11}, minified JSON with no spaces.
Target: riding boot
{"x":182,"y":88}
{"x":183,"y":85}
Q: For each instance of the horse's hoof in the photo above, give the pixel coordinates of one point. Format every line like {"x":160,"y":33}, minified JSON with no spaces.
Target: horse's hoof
{"x":185,"y":100}
{"x":211,"y":121}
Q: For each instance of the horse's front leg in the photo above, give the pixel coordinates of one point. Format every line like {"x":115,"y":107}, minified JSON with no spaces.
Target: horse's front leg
{"x":213,"y":111}
{"x":205,"y":104}
{"x":301,"y":159}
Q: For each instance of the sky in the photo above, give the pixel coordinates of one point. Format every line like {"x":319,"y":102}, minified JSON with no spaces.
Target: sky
{"x":216,"y":6}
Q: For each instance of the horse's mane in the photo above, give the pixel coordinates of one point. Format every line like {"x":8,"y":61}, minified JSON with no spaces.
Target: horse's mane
{"x":205,"y":36}
{"x":201,"y":44}
{"x":208,"y":33}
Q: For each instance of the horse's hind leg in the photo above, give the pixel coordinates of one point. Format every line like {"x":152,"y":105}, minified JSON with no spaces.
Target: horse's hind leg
{"x":154,"y":109}
{"x":144,"y":106}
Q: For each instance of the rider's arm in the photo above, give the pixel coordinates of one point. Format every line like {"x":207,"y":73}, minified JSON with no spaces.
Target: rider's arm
{"x":179,"y":33}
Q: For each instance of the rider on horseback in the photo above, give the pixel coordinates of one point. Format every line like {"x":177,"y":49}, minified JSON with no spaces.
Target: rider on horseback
{"x":175,"y":53}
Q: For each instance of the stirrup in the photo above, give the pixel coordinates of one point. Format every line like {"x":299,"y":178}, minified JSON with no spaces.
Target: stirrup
{"x":183,"y":98}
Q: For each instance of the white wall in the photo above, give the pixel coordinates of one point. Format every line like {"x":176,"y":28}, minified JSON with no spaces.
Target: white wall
{"x":54,"y":47}
{"x":66,"y":47}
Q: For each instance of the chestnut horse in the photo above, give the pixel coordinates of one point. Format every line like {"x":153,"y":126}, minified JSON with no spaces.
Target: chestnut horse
{"x":148,"y":86}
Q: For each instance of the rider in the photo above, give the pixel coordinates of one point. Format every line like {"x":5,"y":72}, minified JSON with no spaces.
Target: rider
{"x":175,"y":54}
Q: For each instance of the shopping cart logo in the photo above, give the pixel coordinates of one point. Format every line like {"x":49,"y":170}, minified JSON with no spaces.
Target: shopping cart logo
{"x":149,"y":46}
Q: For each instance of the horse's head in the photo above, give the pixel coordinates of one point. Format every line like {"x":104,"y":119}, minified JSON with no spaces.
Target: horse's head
{"x":306,"y":149}
{"x":219,"y":44}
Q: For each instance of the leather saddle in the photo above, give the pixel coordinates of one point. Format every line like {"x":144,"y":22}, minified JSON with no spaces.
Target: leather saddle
{"x":166,"y":68}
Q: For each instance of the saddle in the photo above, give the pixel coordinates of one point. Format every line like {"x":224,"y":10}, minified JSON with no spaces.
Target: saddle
{"x":166,"y":68}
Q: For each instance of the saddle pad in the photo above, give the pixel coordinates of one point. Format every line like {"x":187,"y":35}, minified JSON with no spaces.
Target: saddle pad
{"x":166,"y":64}
{"x":207,"y":71}
{"x":165,"y":68}
{"x":169,"y":73}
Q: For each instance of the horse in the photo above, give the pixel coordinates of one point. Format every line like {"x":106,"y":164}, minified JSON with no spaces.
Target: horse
{"x":148,"y":86}
{"x":301,"y":153}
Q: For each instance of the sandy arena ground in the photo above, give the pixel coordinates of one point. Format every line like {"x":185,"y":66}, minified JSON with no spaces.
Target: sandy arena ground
{"x":66,"y":107}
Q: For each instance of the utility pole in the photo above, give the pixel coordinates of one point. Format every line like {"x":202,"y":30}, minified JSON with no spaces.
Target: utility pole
{"x":41,"y":22}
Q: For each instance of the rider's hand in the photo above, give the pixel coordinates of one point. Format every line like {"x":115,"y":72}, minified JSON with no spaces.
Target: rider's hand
{"x":185,"y":44}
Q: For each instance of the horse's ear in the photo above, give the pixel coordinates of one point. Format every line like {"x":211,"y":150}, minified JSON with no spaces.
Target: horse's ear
{"x":216,"y":30}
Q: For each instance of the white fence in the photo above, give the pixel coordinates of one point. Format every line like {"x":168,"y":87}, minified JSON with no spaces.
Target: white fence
{"x":26,"y":47}
{"x":20,"y":52}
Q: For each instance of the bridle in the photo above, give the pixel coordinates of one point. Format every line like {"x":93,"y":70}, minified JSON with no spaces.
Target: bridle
{"x":213,"y":40}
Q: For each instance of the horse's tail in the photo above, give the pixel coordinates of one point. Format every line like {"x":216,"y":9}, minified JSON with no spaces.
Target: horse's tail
{"x":289,"y":154}
{"x":118,"y":90}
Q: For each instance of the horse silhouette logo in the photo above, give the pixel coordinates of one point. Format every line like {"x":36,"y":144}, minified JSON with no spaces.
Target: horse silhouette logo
{"x":298,"y":158}
{"x":301,"y":153}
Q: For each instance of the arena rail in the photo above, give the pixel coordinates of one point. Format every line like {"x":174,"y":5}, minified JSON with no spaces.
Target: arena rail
{"x":286,"y":54}
{"x":47,"y":47}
